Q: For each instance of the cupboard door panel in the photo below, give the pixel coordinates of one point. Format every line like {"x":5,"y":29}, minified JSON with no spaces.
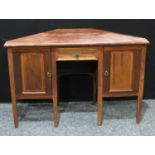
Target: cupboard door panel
{"x":33,"y":72}
{"x":121,"y":71}
{"x":31,"y":69}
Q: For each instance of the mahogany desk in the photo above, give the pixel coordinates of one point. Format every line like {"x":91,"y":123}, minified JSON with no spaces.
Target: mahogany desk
{"x":33,"y":65}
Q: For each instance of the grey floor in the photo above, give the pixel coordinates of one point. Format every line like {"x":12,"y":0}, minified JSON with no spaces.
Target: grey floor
{"x":79,"y":118}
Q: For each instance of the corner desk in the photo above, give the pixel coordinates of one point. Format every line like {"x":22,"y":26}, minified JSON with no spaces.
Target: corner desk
{"x":32,"y":62}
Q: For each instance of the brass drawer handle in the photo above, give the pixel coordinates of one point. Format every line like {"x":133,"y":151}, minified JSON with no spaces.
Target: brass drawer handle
{"x":106,"y":73}
{"x":76,"y":54}
{"x":49,"y":74}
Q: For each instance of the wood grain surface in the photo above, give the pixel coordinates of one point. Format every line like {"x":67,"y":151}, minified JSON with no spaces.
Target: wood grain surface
{"x":76,"y":37}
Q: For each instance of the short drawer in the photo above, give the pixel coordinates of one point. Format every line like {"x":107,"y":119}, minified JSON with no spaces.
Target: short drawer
{"x":71,"y":54}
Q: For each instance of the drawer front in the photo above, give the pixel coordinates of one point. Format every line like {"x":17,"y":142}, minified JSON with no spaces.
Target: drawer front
{"x":71,"y":54}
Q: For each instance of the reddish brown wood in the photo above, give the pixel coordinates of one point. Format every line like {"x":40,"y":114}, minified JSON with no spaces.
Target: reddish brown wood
{"x":120,"y":72}
{"x":55,"y":86}
{"x":76,"y":54}
{"x":94,"y":89}
{"x":12,"y":86}
{"x":141,"y":85}
{"x":31,"y":69}
{"x":76,"y":37}
{"x":100,"y":85}
{"x":120,"y":94}
{"x":32,"y":97}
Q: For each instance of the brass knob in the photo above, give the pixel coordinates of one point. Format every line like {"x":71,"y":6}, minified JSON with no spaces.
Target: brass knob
{"x":76,"y":54}
{"x":106,"y":73}
{"x":49,"y":74}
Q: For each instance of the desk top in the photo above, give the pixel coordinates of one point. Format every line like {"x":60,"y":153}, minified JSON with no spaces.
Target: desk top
{"x":76,"y":37}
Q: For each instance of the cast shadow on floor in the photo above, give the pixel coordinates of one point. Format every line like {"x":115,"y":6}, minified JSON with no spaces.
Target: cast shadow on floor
{"x":112,"y":109}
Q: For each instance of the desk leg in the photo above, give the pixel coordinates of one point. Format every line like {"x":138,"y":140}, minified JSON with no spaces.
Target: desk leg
{"x":54,"y":88}
{"x":100,"y":87}
{"x":12,"y":86}
{"x":94,"y":89}
{"x":141,"y":85}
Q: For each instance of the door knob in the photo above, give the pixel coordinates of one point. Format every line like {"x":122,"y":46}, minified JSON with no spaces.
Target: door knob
{"x":49,"y":74}
{"x":106,"y":73}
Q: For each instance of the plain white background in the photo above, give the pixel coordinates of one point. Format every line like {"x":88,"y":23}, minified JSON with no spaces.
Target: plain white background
{"x":80,"y":9}
{"x":105,"y":9}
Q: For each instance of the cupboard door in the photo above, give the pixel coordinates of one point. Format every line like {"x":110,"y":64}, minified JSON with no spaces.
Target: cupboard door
{"x":32,"y":71}
{"x":121,"y":71}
